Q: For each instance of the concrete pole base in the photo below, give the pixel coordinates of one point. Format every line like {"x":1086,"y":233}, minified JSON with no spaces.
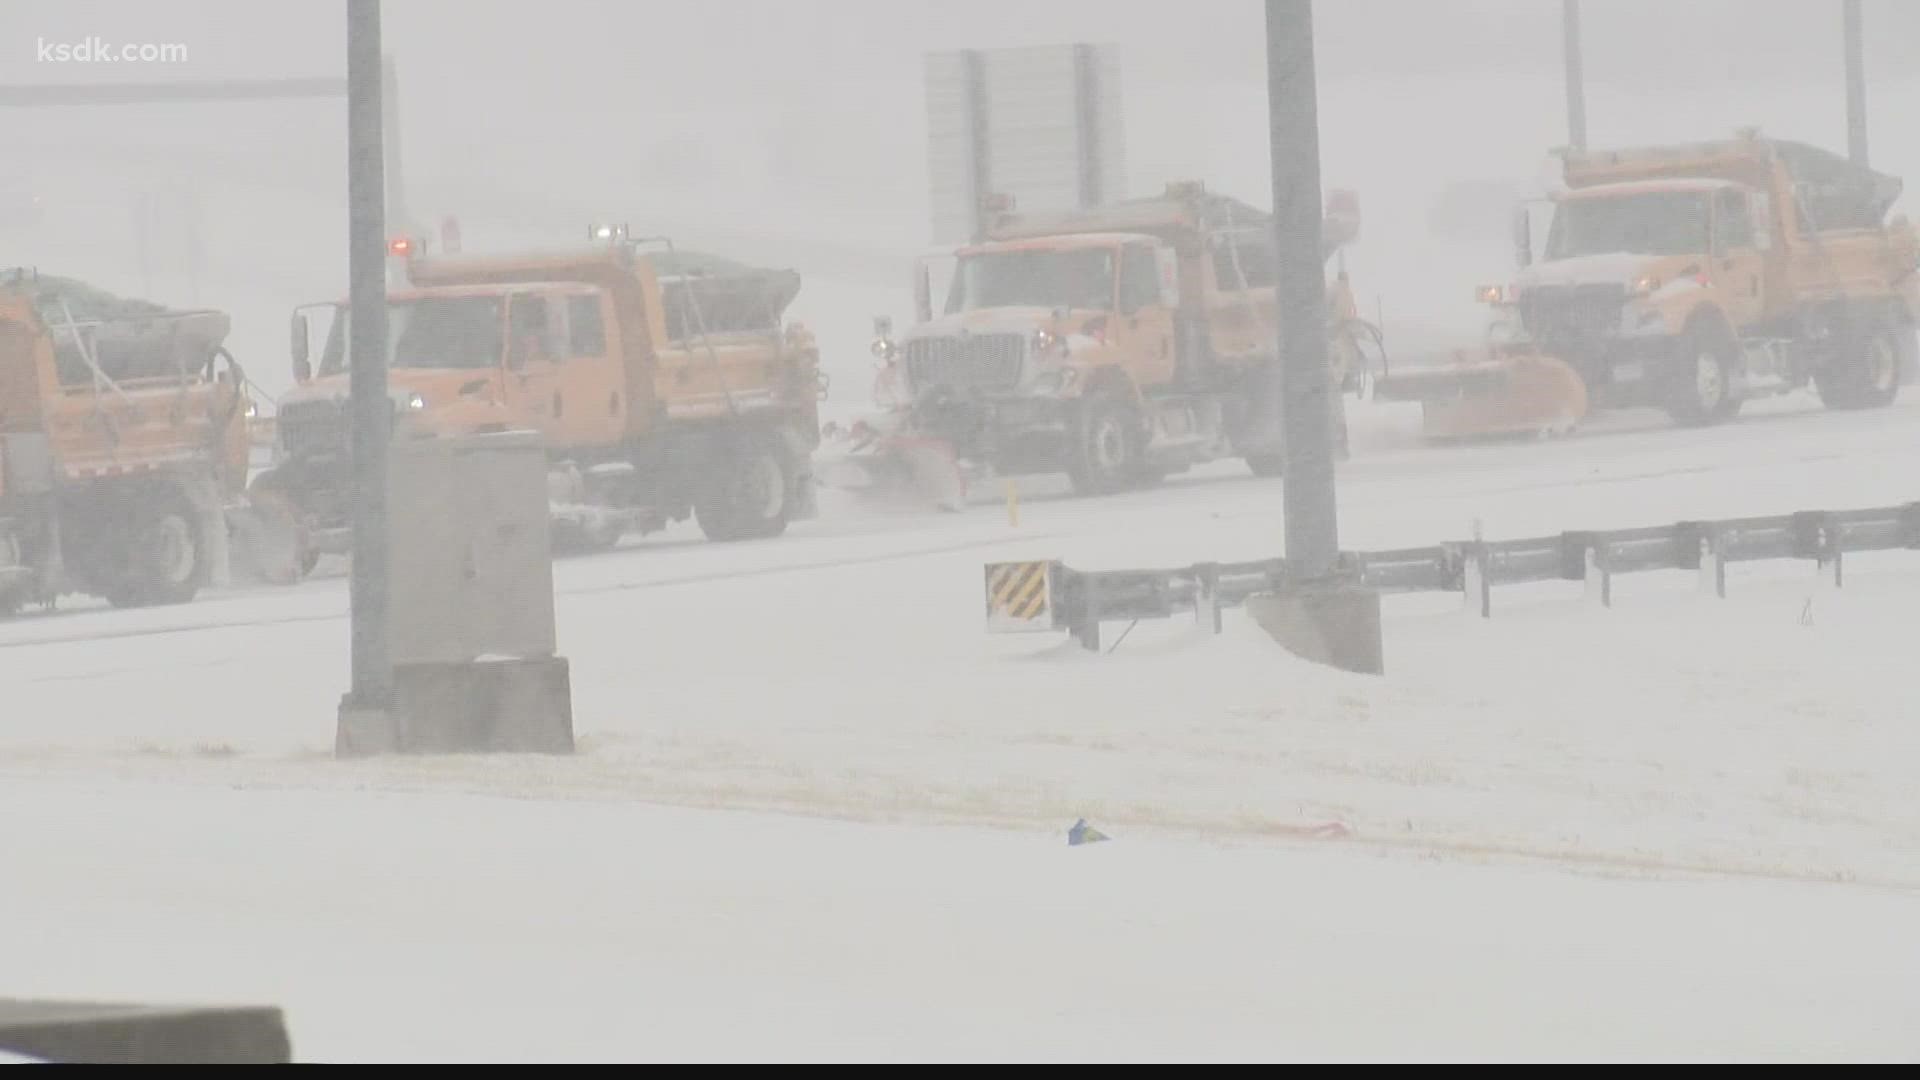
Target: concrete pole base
{"x":519,"y":705}
{"x":1337,"y":626}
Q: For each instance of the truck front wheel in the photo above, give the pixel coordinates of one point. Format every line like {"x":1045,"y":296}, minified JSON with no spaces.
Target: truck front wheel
{"x":1866,"y":374}
{"x":1107,"y":445}
{"x":1267,"y":465}
{"x":1701,"y":389}
{"x":747,"y":498}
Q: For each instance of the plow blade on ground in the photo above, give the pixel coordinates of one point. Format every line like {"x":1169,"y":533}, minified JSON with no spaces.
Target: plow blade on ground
{"x":1477,"y":396}
{"x":892,"y":470}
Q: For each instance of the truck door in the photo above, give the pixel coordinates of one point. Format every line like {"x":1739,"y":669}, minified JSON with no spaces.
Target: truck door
{"x":1144,"y":326}
{"x":1739,"y":266}
{"x":564,"y":369}
{"x":534,"y":354}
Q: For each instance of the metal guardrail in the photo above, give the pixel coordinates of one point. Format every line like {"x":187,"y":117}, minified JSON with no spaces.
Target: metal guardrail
{"x":1038,"y":596}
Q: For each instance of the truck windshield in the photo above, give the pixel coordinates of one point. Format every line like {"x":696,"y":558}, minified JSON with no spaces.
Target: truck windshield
{"x":1080,"y":279}
{"x":431,"y":332}
{"x":1654,"y":223}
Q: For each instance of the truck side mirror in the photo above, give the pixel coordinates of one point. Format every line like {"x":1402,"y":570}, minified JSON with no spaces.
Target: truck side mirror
{"x":1169,"y":266}
{"x":922,"y":292}
{"x":1522,"y":236}
{"x":302,"y":367}
{"x":1762,"y":212}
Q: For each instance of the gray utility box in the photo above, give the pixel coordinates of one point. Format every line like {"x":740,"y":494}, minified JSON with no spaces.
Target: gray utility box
{"x":472,"y":561}
{"x":471,"y":626}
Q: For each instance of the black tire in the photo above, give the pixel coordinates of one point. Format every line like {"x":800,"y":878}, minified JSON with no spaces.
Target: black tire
{"x":1700,"y":389}
{"x":1866,"y":375}
{"x":570,"y":538}
{"x":162,"y":556}
{"x":1267,"y":465}
{"x":1146,"y":476}
{"x":1107,"y":442}
{"x":751,"y":494}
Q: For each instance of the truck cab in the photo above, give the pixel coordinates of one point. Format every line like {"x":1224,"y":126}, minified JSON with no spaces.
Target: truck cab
{"x":1044,"y":317}
{"x":1114,"y":343}
{"x":665,"y":387}
{"x":1695,"y":277}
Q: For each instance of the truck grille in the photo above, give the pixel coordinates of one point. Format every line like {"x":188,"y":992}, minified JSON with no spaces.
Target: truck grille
{"x":977,"y":362}
{"x":313,"y":428}
{"x":1572,"y":313}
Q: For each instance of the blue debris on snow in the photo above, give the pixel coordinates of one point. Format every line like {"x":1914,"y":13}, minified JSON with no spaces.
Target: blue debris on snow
{"x":1083,"y":833}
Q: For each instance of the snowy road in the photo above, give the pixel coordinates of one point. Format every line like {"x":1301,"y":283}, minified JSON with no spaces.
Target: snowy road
{"x":453,"y":929}
{"x":842,"y":672}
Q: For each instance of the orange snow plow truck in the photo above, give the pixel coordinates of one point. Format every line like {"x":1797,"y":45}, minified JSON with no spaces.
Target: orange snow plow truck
{"x":1690,"y":278}
{"x":664,"y":383}
{"x":1115,"y":344}
{"x":123,"y":446}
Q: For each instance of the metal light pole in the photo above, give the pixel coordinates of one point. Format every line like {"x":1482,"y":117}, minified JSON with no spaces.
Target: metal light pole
{"x":1313,"y":542}
{"x":1856,"y":85}
{"x":372,"y":414}
{"x":1576,"y":79}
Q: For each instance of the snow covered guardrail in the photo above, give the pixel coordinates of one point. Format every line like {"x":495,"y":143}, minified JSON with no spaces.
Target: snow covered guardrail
{"x":1032,"y":596}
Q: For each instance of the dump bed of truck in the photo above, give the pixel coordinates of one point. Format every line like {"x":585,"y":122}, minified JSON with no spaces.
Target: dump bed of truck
{"x":1833,"y":192}
{"x":116,"y":384}
{"x":1181,"y":217}
{"x":616,"y":269}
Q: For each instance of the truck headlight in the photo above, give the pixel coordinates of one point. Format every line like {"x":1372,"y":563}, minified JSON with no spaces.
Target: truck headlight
{"x":1045,"y":341}
{"x":884,"y":350}
{"x":415,"y":402}
{"x":1646,"y":285}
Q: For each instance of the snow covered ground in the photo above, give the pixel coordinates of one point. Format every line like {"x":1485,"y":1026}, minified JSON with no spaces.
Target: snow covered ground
{"x":460,"y":928}
{"x":1679,"y":828}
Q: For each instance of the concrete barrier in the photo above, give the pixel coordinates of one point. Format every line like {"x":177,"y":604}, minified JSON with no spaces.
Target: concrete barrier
{"x":87,"y":1033}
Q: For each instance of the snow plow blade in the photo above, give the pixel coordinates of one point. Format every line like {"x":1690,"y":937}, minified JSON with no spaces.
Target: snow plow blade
{"x":264,"y":545}
{"x":892,"y":470}
{"x":1521,"y":394}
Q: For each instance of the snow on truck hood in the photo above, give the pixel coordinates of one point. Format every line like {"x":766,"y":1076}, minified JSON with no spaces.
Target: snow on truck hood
{"x":1621,"y":267}
{"x":1003,"y":320}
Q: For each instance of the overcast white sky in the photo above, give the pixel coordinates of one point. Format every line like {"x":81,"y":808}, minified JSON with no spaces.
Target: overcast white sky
{"x":795,"y":133}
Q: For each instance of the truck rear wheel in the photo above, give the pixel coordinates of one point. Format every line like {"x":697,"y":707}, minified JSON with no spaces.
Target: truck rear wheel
{"x":748,"y":497}
{"x":163,"y":555}
{"x":1107,"y":444}
{"x":1865,"y":376}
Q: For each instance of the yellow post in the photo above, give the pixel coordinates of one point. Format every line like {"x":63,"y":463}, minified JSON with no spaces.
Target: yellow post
{"x":1013,"y":504}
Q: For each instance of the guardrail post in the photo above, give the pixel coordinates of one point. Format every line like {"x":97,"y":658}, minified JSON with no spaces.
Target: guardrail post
{"x":1206,"y":597}
{"x":1596,"y":576}
{"x":1583,"y":558}
{"x":1476,"y":581}
{"x":1713,"y":569}
{"x":1086,"y":616}
{"x":1816,"y":537}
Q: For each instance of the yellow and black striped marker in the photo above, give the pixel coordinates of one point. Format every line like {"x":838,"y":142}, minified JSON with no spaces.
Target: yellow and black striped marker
{"x":1019,"y":596}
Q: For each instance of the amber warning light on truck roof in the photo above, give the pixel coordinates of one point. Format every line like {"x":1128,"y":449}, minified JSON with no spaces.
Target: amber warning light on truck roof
{"x":400,"y":247}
